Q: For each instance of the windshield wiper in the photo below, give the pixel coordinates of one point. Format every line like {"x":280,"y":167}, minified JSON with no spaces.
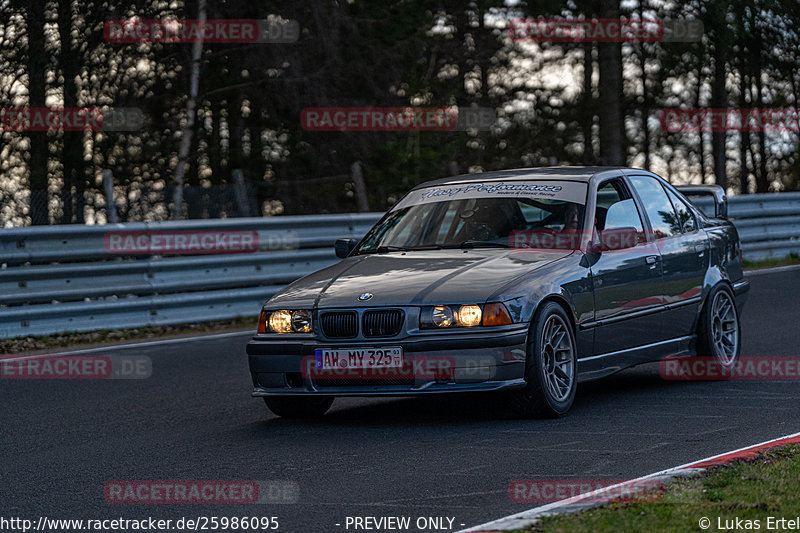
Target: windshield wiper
{"x":483,"y":244}
{"x":383,"y":250}
{"x":387,"y":249}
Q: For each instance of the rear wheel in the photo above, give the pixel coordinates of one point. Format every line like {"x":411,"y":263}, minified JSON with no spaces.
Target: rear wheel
{"x":298,"y":407}
{"x":719,"y":332}
{"x":551,"y":366}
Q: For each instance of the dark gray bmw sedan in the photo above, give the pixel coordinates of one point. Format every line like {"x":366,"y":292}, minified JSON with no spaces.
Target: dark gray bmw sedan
{"x":521,"y":283}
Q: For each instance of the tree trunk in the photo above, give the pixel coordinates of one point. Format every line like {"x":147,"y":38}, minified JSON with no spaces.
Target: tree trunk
{"x":719,"y":95}
{"x":236,"y":134}
{"x":588,"y":105}
{"x":240,"y":193}
{"x":111,"y":204}
{"x":762,"y":179}
{"x":701,"y":147}
{"x":360,"y":187}
{"x":191,"y":112}
{"x":612,"y":134}
{"x":39,"y":157}
{"x":744,"y":137}
{"x":72,"y":152}
{"x":645,"y":108}
{"x":719,"y":101}
{"x":214,"y":144}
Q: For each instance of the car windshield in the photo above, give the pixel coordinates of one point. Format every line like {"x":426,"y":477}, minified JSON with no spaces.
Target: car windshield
{"x":474,"y":222}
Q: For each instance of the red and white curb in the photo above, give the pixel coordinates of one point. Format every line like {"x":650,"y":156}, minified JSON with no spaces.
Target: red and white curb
{"x":598,"y":498}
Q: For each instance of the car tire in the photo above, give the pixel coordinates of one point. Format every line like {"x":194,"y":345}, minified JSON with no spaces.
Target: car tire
{"x":550,"y":368}
{"x":298,"y":407}
{"x":719,"y":330}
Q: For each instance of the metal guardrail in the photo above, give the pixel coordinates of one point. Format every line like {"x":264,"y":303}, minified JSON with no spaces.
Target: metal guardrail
{"x":768,"y":224}
{"x":62,"y":278}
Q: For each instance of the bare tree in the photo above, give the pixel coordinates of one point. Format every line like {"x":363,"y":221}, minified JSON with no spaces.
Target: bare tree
{"x":38,"y":156}
{"x":191,"y":112}
{"x":719,"y":94}
{"x":612,"y":133}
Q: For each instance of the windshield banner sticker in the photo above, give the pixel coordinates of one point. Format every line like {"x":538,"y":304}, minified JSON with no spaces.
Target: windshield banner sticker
{"x":567,"y":191}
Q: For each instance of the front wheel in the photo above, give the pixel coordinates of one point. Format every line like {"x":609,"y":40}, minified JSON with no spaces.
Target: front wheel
{"x":719,"y":332}
{"x":297,"y":406}
{"x":551,"y":366}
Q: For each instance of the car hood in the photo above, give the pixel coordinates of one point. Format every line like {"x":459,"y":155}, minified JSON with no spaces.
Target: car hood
{"x":413,"y":278}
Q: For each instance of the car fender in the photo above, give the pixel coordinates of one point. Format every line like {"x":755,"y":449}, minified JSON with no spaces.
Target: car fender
{"x":565,"y":282}
{"x":724,"y":261}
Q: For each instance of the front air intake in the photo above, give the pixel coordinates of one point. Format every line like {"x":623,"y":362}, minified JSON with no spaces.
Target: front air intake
{"x":382,"y":323}
{"x":339,"y":324}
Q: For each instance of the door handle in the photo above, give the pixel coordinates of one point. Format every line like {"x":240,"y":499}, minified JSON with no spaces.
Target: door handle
{"x":651,"y":260}
{"x":700,"y":249}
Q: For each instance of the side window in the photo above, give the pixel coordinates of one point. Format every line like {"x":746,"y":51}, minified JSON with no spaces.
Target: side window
{"x":663,"y":218}
{"x":623,"y":214}
{"x":685,"y":216}
{"x":607,"y":194}
{"x":615,"y":208}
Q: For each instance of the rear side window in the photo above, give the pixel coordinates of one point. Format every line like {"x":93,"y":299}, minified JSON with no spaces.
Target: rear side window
{"x":663,"y":219}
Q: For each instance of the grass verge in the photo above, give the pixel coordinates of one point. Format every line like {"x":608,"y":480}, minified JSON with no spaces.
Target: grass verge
{"x":792,"y":259}
{"x":739,"y":496}
{"x":44,"y":342}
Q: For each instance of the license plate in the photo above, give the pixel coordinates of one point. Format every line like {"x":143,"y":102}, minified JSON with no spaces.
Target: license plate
{"x":382,"y":357}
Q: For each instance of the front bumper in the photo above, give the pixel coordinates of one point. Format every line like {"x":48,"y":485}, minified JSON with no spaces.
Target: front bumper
{"x":489,"y":359}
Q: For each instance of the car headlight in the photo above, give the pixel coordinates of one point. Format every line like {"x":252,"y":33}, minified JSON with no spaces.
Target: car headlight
{"x":289,"y":321}
{"x":467,"y":316}
{"x":301,"y":321}
{"x":442,"y":316}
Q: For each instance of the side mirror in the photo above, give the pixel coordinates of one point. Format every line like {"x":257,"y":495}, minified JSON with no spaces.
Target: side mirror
{"x":699,"y":196}
{"x":343,"y":247}
{"x":617,"y":239}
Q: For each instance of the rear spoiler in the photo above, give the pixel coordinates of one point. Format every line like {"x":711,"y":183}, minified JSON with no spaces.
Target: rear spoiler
{"x":698,"y":195}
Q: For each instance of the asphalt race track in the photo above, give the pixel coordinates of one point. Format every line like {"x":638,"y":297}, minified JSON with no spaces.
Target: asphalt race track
{"x":194,"y":419}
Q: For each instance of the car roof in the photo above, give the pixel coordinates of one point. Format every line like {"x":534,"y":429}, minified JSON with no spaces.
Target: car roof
{"x":583,"y":174}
